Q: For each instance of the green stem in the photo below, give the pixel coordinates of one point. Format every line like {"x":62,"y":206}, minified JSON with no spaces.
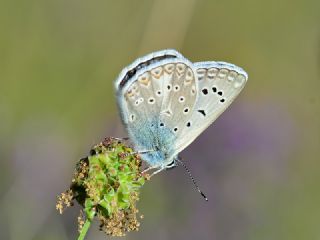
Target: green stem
{"x":84,"y":229}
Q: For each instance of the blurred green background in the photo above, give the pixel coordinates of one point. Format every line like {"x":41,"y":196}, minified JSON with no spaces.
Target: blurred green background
{"x":258,"y":163}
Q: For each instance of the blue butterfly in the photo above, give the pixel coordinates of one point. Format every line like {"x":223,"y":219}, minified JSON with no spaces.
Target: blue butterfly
{"x":166,"y":101}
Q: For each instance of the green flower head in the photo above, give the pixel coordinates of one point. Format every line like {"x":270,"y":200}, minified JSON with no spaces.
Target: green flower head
{"x":107,"y":184}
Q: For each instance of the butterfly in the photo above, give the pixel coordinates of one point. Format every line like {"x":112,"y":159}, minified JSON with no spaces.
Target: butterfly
{"x":166,"y":102}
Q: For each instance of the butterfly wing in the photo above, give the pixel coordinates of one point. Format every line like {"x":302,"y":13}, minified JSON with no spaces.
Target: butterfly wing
{"x":154,"y":100}
{"x":219,"y":83}
{"x":180,"y":90}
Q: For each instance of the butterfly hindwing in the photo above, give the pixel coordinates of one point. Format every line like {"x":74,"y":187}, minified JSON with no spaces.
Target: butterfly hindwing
{"x":218,"y":85}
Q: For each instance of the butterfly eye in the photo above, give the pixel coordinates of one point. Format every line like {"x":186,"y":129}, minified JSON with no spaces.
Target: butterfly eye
{"x":176,"y":88}
{"x":159,"y":93}
{"x":175,"y":129}
{"x":186,"y":110}
{"x":188,"y":124}
{"x":222,"y":100}
{"x":161,"y":124}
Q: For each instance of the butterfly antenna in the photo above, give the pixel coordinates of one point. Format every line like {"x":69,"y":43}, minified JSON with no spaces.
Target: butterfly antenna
{"x":192,"y":179}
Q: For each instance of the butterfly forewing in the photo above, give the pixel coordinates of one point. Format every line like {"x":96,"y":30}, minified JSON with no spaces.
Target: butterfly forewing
{"x":157,"y":103}
{"x":180,"y":96}
{"x":218,"y":85}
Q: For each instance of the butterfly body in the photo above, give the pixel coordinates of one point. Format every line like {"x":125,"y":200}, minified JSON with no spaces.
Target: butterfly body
{"x":166,"y":101}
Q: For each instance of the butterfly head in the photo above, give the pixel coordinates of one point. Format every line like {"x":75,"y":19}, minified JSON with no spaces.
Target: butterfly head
{"x":160,"y":159}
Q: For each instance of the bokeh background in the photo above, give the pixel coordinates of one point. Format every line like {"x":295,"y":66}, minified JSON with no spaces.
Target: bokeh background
{"x":258,"y":163}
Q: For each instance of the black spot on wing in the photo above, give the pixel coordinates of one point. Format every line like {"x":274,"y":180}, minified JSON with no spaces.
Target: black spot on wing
{"x":205,"y":91}
{"x":202,"y":112}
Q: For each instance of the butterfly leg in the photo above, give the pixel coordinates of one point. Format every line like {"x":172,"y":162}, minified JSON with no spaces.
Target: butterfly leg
{"x":109,"y":140}
{"x":159,"y":170}
{"x":148,"y":169}
{"x":116,"y":138}
{"x":142,"y":152}
{"x":120,"y":139}
{"x":138,"y":152}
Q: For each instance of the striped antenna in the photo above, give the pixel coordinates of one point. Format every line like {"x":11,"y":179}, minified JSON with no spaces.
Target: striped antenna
{"x":191,"y":177}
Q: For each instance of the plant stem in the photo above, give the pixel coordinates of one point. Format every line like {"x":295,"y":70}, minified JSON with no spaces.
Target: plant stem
{"x":84,"y":229}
